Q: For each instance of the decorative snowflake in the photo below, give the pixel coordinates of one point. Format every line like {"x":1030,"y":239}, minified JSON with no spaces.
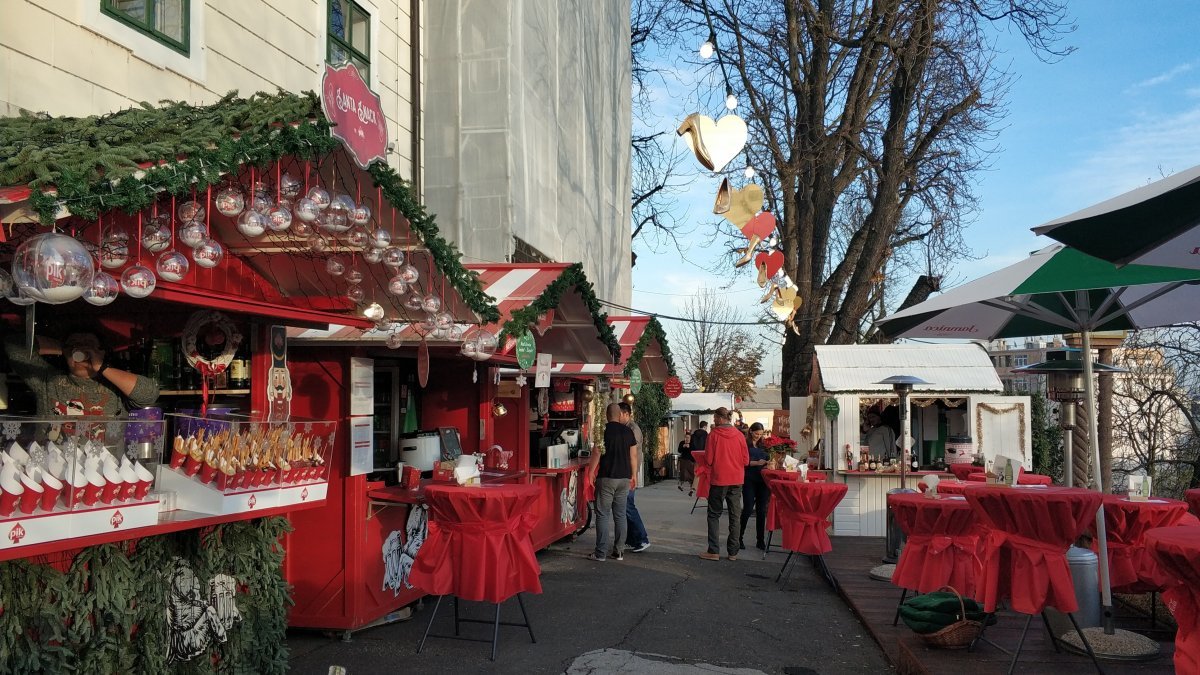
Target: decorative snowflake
{"x":12,"y":430}
{"x":37,"y":454}
{"x":521,"y":380}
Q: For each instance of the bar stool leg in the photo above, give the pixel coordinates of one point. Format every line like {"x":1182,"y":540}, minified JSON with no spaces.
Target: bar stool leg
{"x":527,"y":623}
{"x":431,"y":618}
{"x":785,"y":564}
{"x":1050,"y":632}
{"x":770,"y":536}
{"x":903,"y":595}
{"x":496,"y":631}
{"x":456,"y":616}
{"x":1017,"y":654}
{"x":694,"y":504}
{"x":1086,"y":644}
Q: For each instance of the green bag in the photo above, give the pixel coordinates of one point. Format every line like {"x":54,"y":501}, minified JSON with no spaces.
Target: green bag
{"x":932,"y":612}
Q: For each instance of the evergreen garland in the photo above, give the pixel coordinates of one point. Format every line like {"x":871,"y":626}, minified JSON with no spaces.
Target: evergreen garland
{"x":654,"y":331}
{"x":651,"y":405}
{"x":526,"y":318}
{"x":93,"y":164}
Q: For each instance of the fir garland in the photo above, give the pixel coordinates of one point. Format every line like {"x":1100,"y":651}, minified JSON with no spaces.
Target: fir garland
{"x":92,"y":165}
{"x":654,"y":331}
{"x":651,"y":405}
{"x":526,"y":318}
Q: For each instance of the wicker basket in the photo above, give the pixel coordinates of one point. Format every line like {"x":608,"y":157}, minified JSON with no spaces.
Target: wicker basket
{"x":957,"y":635}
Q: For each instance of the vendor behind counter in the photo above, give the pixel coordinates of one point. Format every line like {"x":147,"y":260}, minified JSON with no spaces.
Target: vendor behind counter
{"x":90,"y":386}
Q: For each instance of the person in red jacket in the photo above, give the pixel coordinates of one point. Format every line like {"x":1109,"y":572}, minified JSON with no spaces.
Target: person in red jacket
{"x":726,"y":455}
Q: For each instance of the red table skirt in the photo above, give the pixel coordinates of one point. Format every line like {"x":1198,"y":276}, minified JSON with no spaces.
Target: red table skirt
{"x":1193,"y":500}
{"x":478,"y":547}
{"x":1177,"y":552}
{"x":702,"y":474}
{"x":803,"y":511}
{"x":962,"y":470}
{"x":1022,"y":478}
{"x":1131,"y":568}
{"x":770,"y":476}
{"x":589,"y":485}
{"x":942,"y":547}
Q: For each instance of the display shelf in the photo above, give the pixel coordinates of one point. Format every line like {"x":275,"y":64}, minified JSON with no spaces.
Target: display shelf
{"x":21,"y":532}
{"x":197,"y":392}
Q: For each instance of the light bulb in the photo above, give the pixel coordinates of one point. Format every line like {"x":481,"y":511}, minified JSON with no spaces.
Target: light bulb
{"x":707,"y":49}
{"x":374,"y":311}
{"x":749,"y":173}
{"x":731,"y":102}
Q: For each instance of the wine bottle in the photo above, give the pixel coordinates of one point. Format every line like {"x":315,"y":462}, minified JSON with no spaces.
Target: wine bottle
{"x":239,"y":370}
{"x":915,"y":465}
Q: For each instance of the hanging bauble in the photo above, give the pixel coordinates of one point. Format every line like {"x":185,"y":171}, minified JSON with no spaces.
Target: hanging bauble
{"x":302,"y":229}
{"x":319,"y":197}
{"x":413,"y":302}
{"x":381,"y":238}
{"x":372,"y":255}
{"x":156,"y":235}
{"x":373,"y":311}
{"x":53,"y":268}
{"x":318,"y":244}
{"x":457,"y":331}
{"x":335,"y":266}
{"x":103,"y":291}
{"x":113,"y":254}
{"x":357,"y":237}
{"x":427,"y":324}
{"x":394,"y":340}
{"x":629,"y":398}
{"x":360,"y":214}
{"x":116,"y":233}
{"x":172,"y":266}
{"x":397,"y":286}
{"x":749,"y":172}
{"x":6,"y":282}
{"x":355,"y":293}
{"x":208,"y":254}
{"x":289,"y":185}
{"x":467,"y":349}
{"x":261,"y":202}
{"x":394,"y":257}
{"x":354,"y":276}
{"x":440,"y":334}
{"x":343,"y":203}
{"x":431,"y":304}
{"x":306,"y":210}
{"x":190,"y":210}
{"x":483,"y":344}
{"x":18,"y":297}
{"x":408,"y":273}
{"x":229,"y":201}
{"x":252,"y":223}
{"x":280,"y":217}
{"x":138,"y":281}
{"x":193,"y":233}
{"x":444,"y":320}
{"x":334,"y":221}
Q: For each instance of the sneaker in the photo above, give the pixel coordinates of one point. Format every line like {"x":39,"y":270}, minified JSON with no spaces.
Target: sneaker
{"x":593,"y":556}
{"x":733,"y":557}
{"x":710,"y":556}
{"x":640,"y":547}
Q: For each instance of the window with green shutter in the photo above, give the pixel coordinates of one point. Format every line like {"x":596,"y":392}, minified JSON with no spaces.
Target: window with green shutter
{"x":350,"y":36}
{"x":164,"y":20}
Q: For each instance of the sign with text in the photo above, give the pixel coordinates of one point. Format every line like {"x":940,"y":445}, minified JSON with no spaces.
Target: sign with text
{"x":781,"y":425}
{"x":526,"y":350}
{"x":362,"y":386}
{"x":356,"y":114}
{"x":672,"y":387}
{"x":635,"y":381}
{"x":832,"y":408}
{"x":541,"y":378}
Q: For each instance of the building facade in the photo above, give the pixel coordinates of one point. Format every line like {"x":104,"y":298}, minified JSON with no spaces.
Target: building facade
{"x":1009,"y":354}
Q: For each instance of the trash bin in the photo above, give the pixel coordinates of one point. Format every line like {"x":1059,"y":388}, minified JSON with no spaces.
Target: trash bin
{"x":671,"y":465}
{"x":1085,"y":576}
{"x":895,"y":536}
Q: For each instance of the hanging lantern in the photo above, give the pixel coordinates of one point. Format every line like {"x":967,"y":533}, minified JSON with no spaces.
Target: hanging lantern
{"x":53,"y":268}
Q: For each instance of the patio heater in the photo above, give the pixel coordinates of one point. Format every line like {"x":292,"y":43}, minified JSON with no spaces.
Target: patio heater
{"x":902,"y":385}
{"x":1065,"y":386}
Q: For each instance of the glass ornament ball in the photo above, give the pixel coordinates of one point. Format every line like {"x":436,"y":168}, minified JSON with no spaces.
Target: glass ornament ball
{"x":53,"y":268}
{"x":431,"y":304}
{"x":342,"y":203}
{"x":394,"y":257}
{"x":334,"y":221}
{"x":440,"y":334}
{"x":467,"y":349}
{"x":335,"y":266}
{"x":115,"y":234}
{"x":395,"y":341}
{"x":397,"y":286}
{"x":374,"y":311}
{"x":261,"y":202}
{"x":428,"y":324}
{"x":193,"y":234}
{"x":172,"y":266}
{"x":302,"y":229}
{"x":229,"y":201}
{"x":457,"y":331}
{"x":6,"y":282}
{"x":280,"y":218}
{"x":381,"y":238}
{"x":360,"y":214}
{"x":103,"y":291}
{"x":307,"y":210}
{"x":114,"y":254}
{"x":138,"y":281}
{"x":317,"y":243}
{"x":319,"y":197}
{"x":357,"y":238}
{"x":156,"y":235}
{"x":372,"y":255}
{"x":354,"y":276}
{"x":252,"y":223}
{"x":18,"y":297}
{"x":485,"y":345}
{"x":208,"y":254}
{"x":413,"y":302}
{"x":190,"y":210}
{"x":289,"y":185}
{"x":355,"y":293}
{"x":408,"y":273}
{"x":444,"y":320}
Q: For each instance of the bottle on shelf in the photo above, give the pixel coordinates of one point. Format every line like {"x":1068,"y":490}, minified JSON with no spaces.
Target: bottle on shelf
{"x":872,"y":465}
{"x":914,"y":464}
{"x":239,"y":368}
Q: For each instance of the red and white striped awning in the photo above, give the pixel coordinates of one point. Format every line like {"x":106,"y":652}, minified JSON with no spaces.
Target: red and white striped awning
{"x":630,"y":330}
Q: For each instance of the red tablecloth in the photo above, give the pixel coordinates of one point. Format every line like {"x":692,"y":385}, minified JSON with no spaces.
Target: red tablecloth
{"x":942,"y":543}
{"x":1193,"y":500}
{"x":769,"y":476}
{"x":1131,"y":568}
{"x":1177,"y":551}
{"x":803,"y":511}
{"x":961,"y":471}
{"x":702,"y":474}
{"x":478,"y":547}
{"x":1022,"y":478}
{"x":1030,"y":530}
{"x":953,"y":487}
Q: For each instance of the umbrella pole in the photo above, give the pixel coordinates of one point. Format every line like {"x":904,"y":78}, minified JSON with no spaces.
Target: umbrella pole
{"x":1089,"y":385}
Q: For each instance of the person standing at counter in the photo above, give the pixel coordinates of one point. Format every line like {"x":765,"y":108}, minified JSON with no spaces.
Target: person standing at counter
{"x":726,"y":456}
{"x":754,"y":490}
{"x":89,"y":387}
{"x":612,"y":471}
{"x":880,"y":437}
{"x":637,"y":539}
{"x":687,"y":465}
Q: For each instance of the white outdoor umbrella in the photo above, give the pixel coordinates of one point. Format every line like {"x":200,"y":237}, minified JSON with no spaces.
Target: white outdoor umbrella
{"x":1058,"y":290}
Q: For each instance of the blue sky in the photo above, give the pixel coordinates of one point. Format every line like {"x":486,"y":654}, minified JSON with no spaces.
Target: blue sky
{"x":1123,"y":110}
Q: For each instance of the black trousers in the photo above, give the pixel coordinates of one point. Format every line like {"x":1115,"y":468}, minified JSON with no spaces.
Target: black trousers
{"x":754,"y":498}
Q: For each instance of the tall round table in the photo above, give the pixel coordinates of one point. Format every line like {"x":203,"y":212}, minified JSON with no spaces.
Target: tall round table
{"x":803,"y":511}
{"x":1131,"y":569}
{"x":1193,"y":500}
{"x":1177,"y":552}
{"x":703,"y":478}
{"x":941,"y":548}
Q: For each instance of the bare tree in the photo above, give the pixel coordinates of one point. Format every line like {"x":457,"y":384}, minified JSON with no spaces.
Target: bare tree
{"x":868,"y":121}
{"x":716,"y":354}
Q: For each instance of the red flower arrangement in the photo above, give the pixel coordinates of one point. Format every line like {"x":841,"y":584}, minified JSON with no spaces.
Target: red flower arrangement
{"x":779,"y":444}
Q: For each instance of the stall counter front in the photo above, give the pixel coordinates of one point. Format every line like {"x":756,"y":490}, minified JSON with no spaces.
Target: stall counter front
{"x":863,"y":512}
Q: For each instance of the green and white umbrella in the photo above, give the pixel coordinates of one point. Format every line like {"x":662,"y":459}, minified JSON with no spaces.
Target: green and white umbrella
{"x":1156,"y":224}
{"x":1058,"y":290}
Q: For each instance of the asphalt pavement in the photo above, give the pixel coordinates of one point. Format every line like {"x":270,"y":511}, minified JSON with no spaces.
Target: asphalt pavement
{"x":660,"y":611}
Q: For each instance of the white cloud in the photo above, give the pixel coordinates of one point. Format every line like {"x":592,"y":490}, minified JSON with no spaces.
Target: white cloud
{"x":1161,"y":78}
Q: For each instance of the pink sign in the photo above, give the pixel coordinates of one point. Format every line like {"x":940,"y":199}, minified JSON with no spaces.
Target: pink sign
{"x":356,"y":113}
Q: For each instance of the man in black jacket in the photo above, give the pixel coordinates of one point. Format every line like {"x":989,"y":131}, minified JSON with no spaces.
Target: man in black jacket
{"x":699,"y":442}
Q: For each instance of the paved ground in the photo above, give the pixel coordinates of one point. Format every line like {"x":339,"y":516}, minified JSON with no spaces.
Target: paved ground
{"x":660,"y":611}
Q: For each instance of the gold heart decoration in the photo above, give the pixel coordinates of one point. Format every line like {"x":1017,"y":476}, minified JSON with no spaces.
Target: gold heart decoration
{"x":743,"y":204}
{"x":713,"y":143}
{"x":786,"y":303}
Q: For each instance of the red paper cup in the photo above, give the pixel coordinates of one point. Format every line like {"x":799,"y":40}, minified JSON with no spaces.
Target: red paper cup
{"x":108,"y":493}
{"x":191,"y":466}
{"x":178,"y":459}
{"x":32,"y":495}
{"x":51,"y":489}
{"x":9,"y":494}
{"x":141,"y":488}
{"x":207,"y":473}
{"x":125,"y":491}
{"x":91,"y":491}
